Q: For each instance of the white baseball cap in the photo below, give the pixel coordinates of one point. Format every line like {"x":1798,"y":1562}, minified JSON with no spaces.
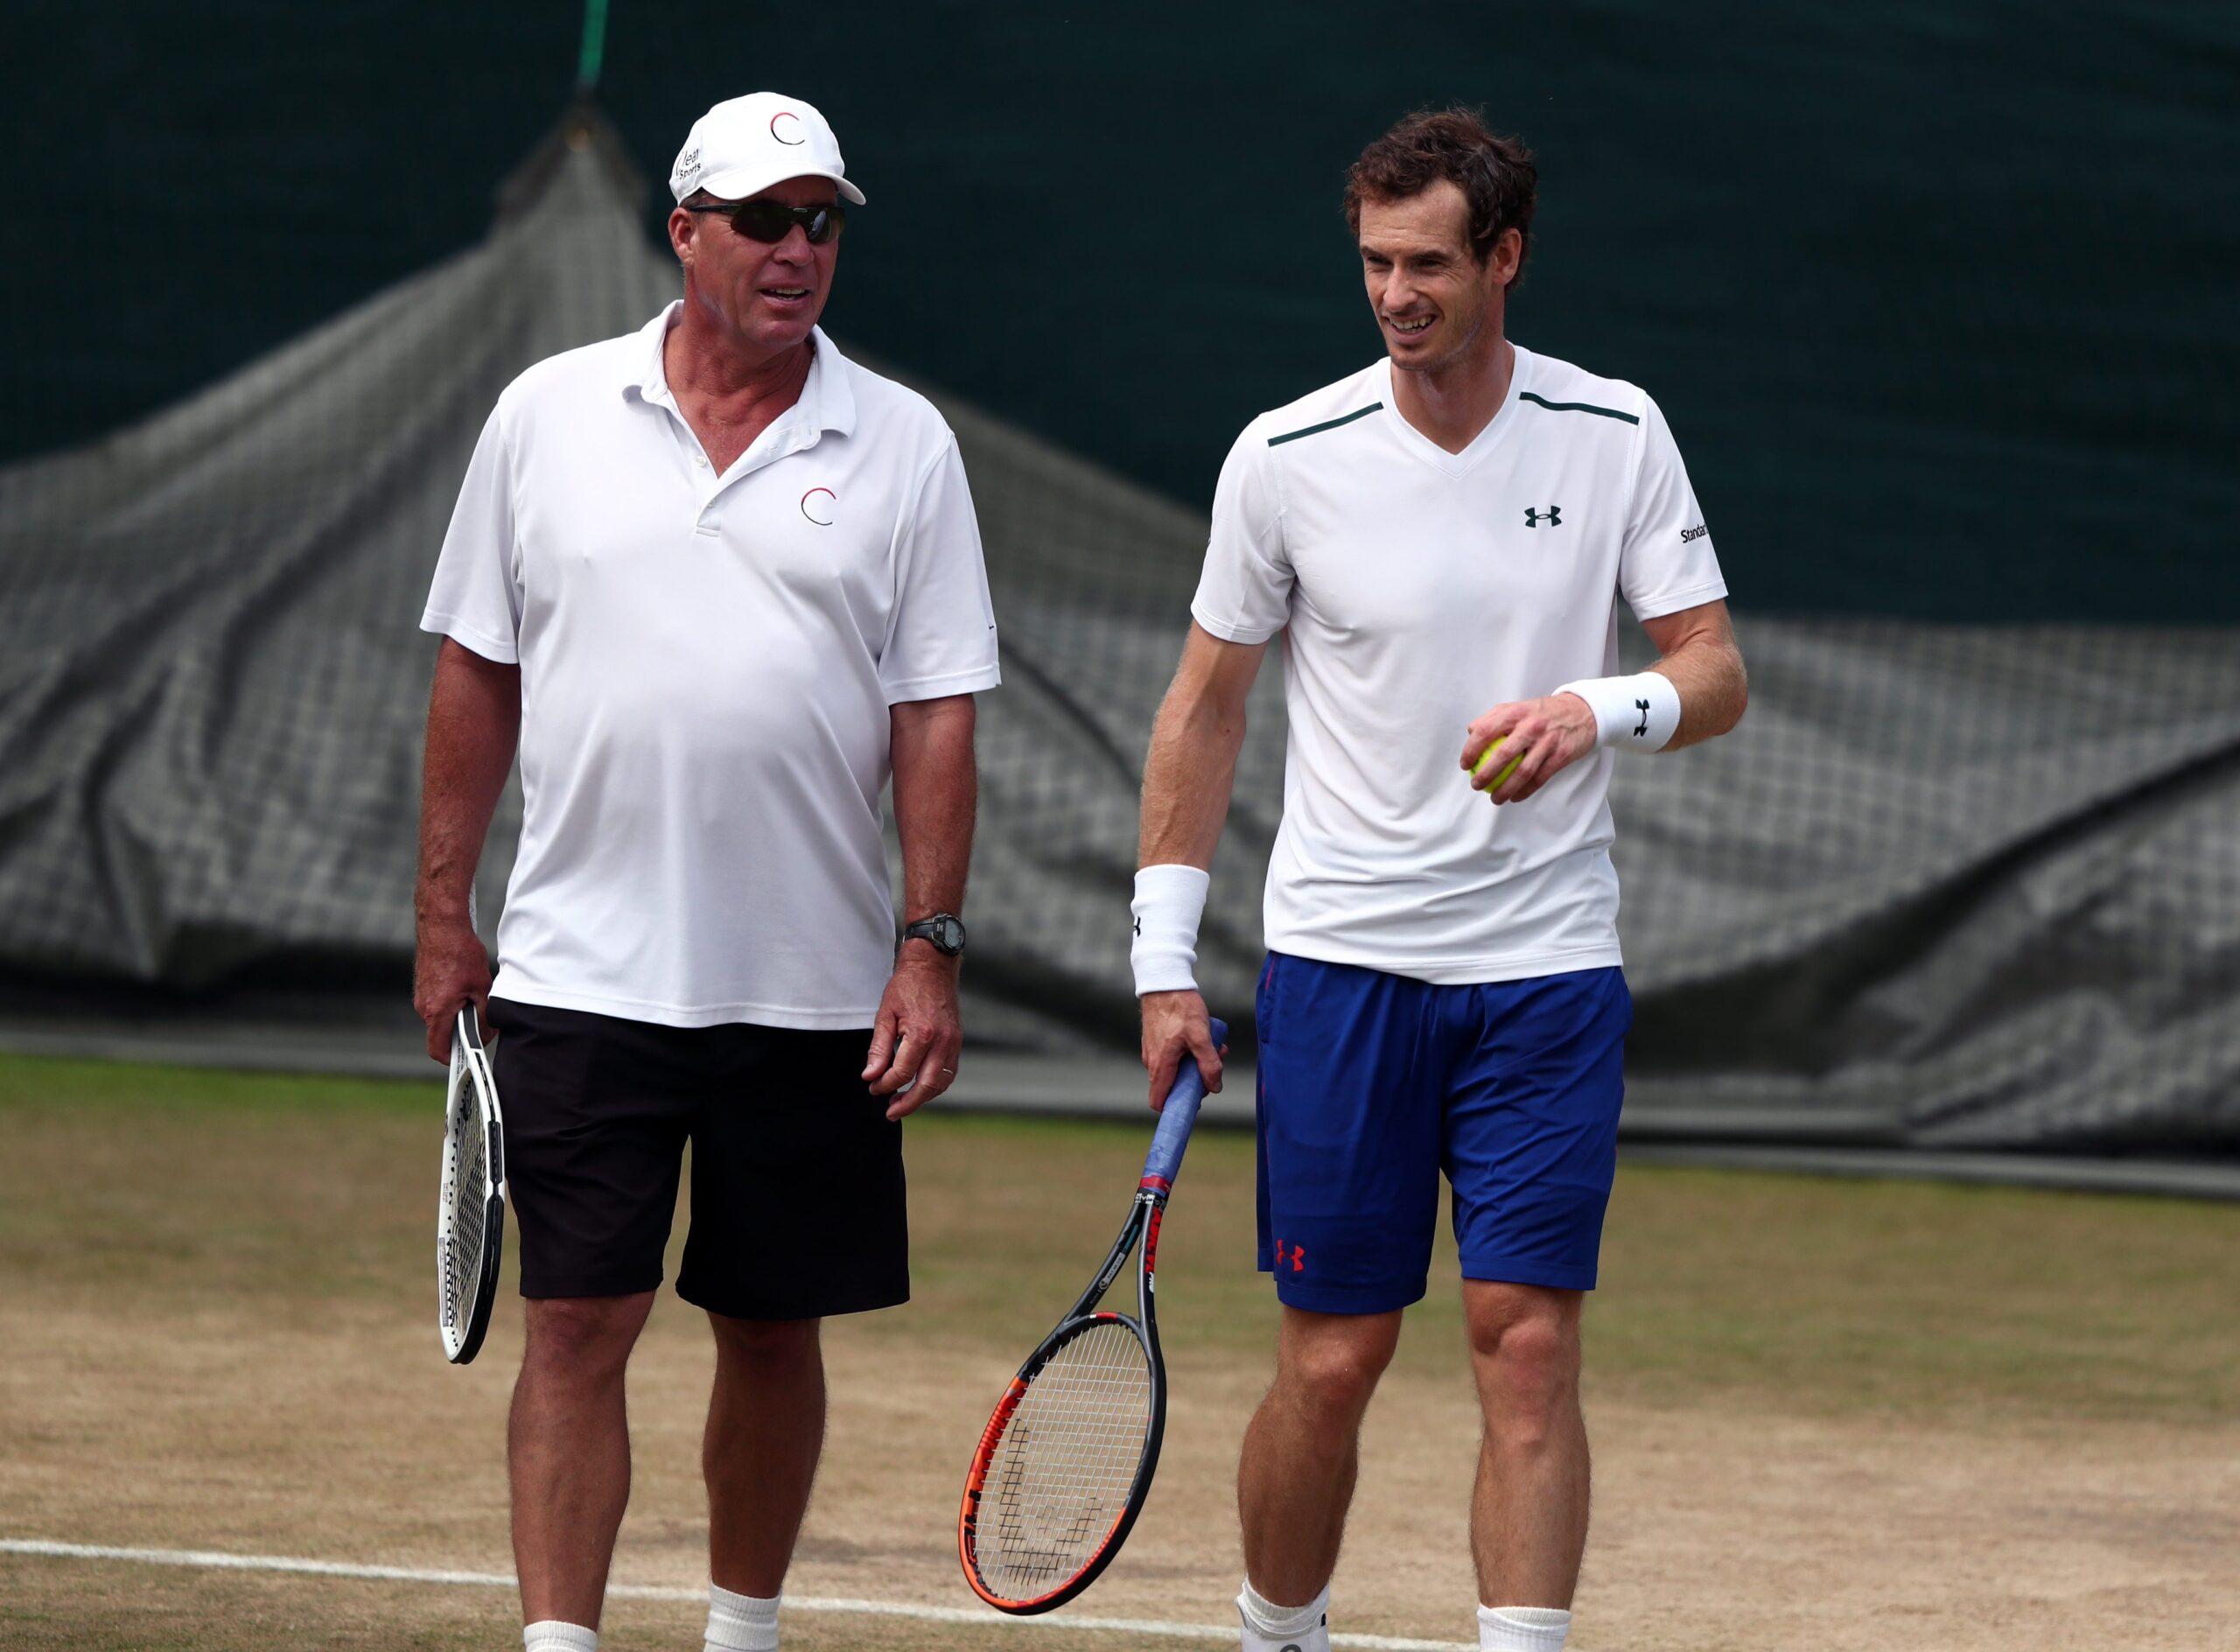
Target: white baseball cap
{"x":744,"y":144}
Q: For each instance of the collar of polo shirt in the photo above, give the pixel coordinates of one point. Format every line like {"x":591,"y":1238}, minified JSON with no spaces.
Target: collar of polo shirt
{"x":826,"y":402}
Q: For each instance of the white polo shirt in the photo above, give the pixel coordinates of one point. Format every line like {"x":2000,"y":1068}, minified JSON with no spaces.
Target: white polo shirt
{"x":707,"y":663}
{"x":1416,"y":589}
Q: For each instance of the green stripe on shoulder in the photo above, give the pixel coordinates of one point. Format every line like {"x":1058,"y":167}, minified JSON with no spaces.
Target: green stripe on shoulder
{"x":1569,"y":407}
{"x":1326,"y":424}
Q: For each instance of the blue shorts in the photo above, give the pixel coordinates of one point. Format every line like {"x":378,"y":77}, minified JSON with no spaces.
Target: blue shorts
{"x":1372,"y":1084}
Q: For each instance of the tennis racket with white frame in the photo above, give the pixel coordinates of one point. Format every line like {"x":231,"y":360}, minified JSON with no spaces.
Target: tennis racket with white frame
{"x":470,"y":1217}
{"x":1065,"y":1463}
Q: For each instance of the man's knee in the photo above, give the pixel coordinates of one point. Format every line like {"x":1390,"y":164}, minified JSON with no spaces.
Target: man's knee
{"x":766,"y":1343}
{"x":582,"y":1337}
{"x":1329,"y":1365}
{"x":1524,"y":1343}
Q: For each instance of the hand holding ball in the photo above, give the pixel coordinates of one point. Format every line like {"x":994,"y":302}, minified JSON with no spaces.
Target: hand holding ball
{"x":1486,"y":757}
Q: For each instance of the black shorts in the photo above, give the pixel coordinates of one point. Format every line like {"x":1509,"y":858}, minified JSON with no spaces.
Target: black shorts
{"x":798,"y":1202}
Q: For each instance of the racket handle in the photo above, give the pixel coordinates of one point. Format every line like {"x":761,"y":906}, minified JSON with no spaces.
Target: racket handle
{"x":1183,"y":1100}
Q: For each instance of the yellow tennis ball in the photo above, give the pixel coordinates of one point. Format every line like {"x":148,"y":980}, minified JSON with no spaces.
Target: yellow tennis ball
{"x":1486,"y":756}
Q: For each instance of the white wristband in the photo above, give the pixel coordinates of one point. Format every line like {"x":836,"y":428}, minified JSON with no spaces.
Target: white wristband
{"x":1634,"y":714}
{"x":1169,"y":901}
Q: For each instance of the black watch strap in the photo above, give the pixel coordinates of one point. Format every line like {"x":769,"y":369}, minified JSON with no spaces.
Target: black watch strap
{"x":944,"y":929}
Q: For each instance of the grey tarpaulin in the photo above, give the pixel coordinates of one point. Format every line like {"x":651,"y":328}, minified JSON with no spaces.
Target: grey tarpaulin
{"x":1947,"y":886}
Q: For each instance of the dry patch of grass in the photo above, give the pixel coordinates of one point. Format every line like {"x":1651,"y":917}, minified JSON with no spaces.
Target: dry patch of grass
{"x":1827,"y":1414}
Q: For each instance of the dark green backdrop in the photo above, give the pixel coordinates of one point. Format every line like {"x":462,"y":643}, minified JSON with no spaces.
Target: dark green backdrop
{"x":1939,"y":298}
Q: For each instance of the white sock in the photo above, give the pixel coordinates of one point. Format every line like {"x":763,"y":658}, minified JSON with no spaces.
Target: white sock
{"x":549,"y":1635}
{"x":741,"y":1622}
{"x":1521,"y":1628}
{"x":1269,"y":1628}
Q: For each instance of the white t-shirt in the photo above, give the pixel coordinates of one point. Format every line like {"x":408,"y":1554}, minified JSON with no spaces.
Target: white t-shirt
{"x":707,"y":663}
{"x":1417,"y":589}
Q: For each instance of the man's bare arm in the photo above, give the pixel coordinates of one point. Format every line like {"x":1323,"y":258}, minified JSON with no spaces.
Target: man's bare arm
{"x":1697,"y":650}
{"x":1187,"y":779}
{"x":1192,"y":765}
{"x":474,"y":719}
{"x":918,"y":1037}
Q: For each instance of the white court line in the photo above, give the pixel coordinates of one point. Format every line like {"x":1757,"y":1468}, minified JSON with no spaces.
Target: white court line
{"x":216,"y":1561}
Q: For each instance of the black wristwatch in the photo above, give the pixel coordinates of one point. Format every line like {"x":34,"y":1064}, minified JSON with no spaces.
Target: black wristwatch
{"x":944,"y":929}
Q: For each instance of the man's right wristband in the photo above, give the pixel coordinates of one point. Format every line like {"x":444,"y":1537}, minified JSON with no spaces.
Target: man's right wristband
{"x":1169,"y":899}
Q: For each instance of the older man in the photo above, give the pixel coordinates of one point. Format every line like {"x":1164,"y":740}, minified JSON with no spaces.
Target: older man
{"x":1441,"y":539}
{"x":719,"y":583}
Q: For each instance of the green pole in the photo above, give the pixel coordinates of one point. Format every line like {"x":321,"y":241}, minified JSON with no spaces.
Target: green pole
{"x":587,"y":63}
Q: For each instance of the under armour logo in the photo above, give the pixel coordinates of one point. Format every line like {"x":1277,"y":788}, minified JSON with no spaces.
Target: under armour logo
{"x":1297,"y":1257}
{"x":1642,"y":729}
{"x":1139,"y":926}
{"x":1553,"y":516}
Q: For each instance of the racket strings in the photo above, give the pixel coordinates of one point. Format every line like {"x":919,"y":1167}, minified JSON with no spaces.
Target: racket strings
{"x":466,"y":1207}
{"x":1062,"y":1472}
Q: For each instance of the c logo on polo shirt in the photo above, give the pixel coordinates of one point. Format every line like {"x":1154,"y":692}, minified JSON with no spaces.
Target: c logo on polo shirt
{"x":809,"y":510}
{"x":785,"y":115}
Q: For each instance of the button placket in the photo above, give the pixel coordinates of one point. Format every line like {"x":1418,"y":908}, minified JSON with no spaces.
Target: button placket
{"x":705,"y":483}
{"x":706,"y":487}
{"x":710,"y":486}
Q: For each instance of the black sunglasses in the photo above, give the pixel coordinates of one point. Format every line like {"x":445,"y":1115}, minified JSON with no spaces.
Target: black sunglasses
{"x":769,"y":221}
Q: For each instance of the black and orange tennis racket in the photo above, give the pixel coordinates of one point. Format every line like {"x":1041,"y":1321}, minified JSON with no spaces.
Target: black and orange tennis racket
{"x":1065,"y":1463}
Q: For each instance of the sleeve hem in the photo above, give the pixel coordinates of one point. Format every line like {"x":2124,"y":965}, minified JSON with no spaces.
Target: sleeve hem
{"x":947,"y":683}
{"x":1694,"y":596}
{"x":500,"y":650}
{"x":1231,"y":631}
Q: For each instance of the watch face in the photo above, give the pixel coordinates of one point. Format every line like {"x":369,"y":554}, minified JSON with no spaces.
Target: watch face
{"x":945,"y":931}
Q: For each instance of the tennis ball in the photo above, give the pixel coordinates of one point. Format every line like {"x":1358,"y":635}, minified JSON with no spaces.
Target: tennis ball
{"x":1486,"y":756}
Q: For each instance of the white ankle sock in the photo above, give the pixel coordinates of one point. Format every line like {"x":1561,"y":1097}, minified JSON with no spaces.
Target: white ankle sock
{"x":1269,"y":1628}
{"x":549,"y":1635}
{"x":741,"y":1622}
{"x":1521,"y":1628}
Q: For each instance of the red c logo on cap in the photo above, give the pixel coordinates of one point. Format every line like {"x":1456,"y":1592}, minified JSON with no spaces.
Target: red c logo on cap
{"x":821,"y":521}
{"x":785,"y":115}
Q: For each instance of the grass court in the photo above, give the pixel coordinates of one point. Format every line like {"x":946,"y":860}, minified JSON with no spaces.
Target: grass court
{"x":1827,"y":1414}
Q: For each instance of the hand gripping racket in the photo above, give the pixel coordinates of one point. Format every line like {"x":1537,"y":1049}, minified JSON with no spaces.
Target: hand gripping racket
{"x":1064,"y":1464}
{"x":470,"y":1217}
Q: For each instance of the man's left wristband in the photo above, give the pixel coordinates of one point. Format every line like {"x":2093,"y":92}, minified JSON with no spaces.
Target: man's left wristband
{"x":1639,"y":713}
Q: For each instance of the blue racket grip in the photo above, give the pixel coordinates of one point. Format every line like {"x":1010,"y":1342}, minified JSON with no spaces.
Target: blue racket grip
{"x":1183,"y":1100}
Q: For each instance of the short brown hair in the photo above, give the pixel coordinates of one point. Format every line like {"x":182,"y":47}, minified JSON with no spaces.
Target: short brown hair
{"x":1496,"y":174}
